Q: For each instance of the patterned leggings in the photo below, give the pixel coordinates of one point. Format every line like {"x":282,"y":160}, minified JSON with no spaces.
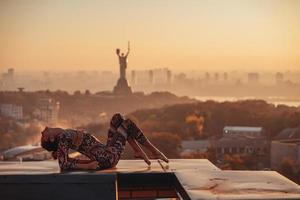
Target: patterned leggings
{"x":107,"y":155}
{"x":115,"y":145}
{"x":134,"y":131}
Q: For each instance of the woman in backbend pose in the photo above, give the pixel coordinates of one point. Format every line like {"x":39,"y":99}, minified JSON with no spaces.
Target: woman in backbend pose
{"x":101,"y":156}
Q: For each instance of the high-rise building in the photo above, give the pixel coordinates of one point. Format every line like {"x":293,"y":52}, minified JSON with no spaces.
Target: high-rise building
{"x":207,"y":76}
{"x":169,"y":76}
{"x":11,"y":72}
{"x":225,"y":76}
{"x":8,"y":79}
{"x":133,"y":77}
{"x":279,"y":78}
{"x":216,"y":76}
{"x":151,"y":77}
{"x":253,"y":78}
{"x":13,"y":111}
{"x":48,"y":110}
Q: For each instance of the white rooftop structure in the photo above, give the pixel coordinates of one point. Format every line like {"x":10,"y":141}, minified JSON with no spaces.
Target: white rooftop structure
{"x":195,"y":145}
{"x":243,"y":128}
{"x":11,"y":110}
{"x":243,"y":131}
{"x":28,"y":152}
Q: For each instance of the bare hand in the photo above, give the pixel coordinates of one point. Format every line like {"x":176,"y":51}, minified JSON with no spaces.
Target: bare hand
{"x":93,"y":165}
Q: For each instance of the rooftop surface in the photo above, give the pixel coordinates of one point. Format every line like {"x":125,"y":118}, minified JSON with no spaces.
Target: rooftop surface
{"x":199,"y":178}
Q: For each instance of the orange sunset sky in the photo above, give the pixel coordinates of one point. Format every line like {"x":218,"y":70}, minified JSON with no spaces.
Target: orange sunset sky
{"x":179,"y":34}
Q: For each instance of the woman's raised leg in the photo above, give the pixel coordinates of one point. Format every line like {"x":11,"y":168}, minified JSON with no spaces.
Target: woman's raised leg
{"x":135,"y":132}
{"x":115,"y":127}
{"x":138,"y":151}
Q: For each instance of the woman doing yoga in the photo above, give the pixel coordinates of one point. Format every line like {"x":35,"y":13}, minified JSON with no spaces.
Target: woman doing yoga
{"x":100,"y":156}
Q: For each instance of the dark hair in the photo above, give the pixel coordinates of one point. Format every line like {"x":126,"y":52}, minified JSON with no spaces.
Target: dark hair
{"x":116,"y":120}
{"x":50,"y":146}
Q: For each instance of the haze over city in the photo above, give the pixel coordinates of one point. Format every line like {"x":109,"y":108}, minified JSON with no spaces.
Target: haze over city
{"x":206,"y":35}
{"x":149,"y":99}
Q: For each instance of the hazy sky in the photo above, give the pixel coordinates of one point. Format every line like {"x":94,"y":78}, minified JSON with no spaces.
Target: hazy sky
{"x":179,"y":34}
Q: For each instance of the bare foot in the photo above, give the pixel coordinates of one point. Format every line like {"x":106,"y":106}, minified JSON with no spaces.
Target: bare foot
{"x":138,"y":151}
{"x":142,"y":156}
{"x":159,"y":155}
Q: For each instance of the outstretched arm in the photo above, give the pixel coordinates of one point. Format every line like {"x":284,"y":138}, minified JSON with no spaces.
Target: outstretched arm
{"x":138,"y":151}
{"x":86,"y":164}
{"x":118,"y":52}
{"x":128,"y":50}
{"x":66,"y":163}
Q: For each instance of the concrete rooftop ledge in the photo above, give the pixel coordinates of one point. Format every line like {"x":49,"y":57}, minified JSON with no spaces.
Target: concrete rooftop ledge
{"x":132,"y":179}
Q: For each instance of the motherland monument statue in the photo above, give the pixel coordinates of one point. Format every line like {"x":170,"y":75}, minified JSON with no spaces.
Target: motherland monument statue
{"x":122,"y":86}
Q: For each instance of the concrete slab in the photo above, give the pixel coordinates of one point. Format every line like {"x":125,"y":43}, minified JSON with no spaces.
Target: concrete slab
{"x":199,"y":178}
{"x":237,"y":185}
{"x":177,"y":165}
{"x":32,"y":167}
{"x":124,"y":166}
